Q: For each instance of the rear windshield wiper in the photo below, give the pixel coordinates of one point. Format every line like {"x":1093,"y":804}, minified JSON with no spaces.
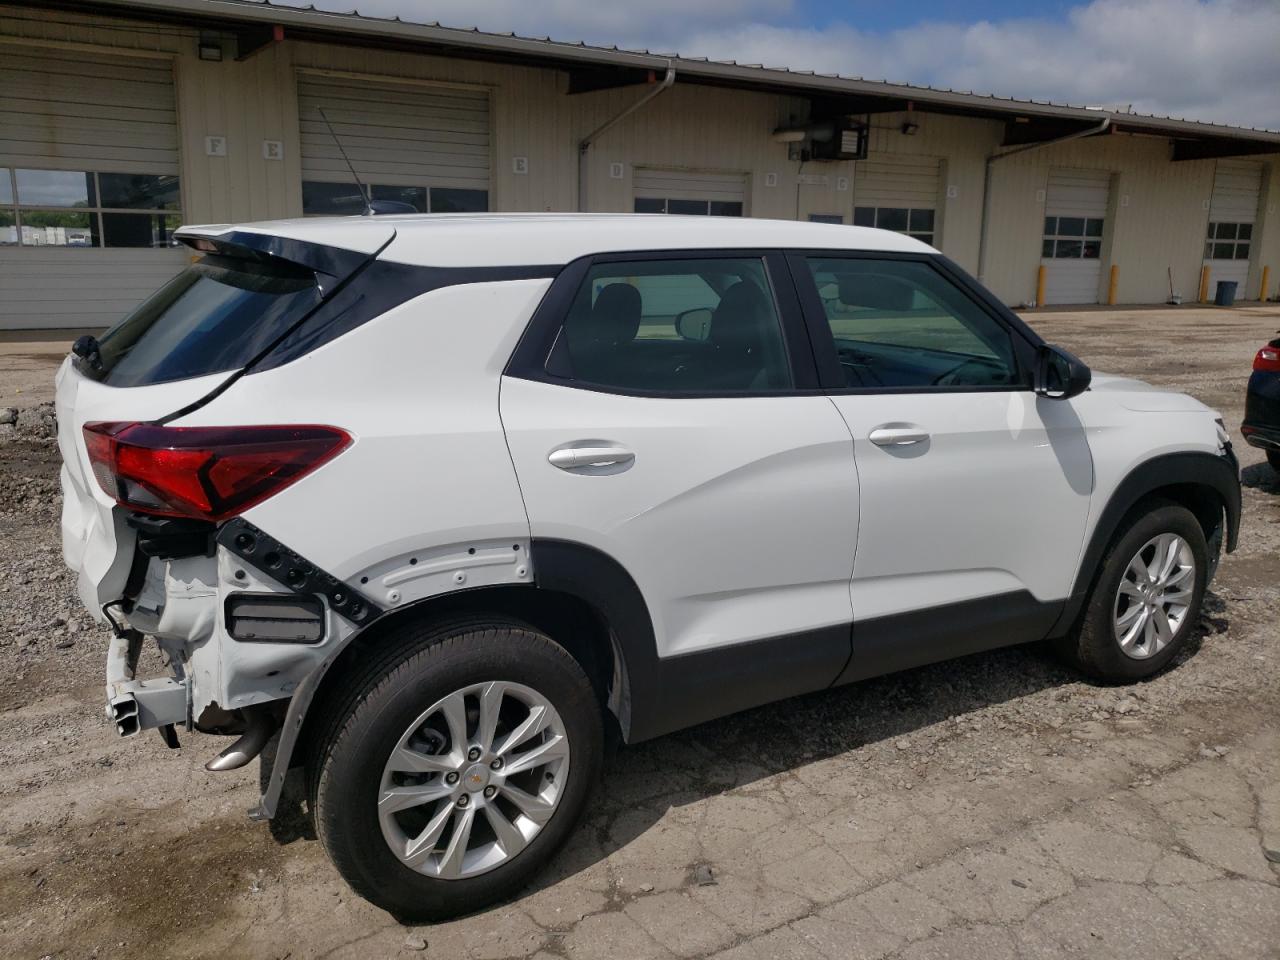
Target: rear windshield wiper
{"x":88,"y":352}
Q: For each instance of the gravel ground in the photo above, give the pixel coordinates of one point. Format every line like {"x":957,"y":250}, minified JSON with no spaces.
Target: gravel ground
{"x":995,"y":806}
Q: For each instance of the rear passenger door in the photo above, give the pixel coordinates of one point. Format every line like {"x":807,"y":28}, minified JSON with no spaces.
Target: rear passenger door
{"x":974,"y":491}
{"x":664,"y":410}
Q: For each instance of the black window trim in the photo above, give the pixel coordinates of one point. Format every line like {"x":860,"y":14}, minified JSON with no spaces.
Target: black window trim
{"x":530,"y":358}
{"x":1026,"y":342}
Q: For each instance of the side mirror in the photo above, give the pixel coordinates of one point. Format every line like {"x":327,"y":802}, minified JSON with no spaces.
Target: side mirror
{"x":1060,"y":375}
{"x":694,"y":324}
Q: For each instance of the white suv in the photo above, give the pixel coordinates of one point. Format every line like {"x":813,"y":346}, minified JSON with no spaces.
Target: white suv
{"x":442,"y":501}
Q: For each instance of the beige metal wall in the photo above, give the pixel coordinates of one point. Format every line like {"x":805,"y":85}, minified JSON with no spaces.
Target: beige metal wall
{"x":1157,"y":220}
{"x":1159,"y":213}
{"x":1266,"y":251}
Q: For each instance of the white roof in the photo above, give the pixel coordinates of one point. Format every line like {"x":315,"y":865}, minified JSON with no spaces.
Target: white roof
{"x":512,"y":239}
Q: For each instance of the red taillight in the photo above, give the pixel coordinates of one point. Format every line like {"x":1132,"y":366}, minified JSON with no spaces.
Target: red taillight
{"x":1268,"y":358}
{"x":210,"y":473}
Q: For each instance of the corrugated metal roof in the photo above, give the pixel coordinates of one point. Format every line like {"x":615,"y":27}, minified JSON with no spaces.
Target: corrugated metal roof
{"x":800,"y":82}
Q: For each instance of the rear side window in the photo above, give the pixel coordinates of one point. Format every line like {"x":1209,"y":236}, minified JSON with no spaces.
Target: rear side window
{"x":901,"y":324}
{"x":215,"y":316}
{"x":674,"y":327}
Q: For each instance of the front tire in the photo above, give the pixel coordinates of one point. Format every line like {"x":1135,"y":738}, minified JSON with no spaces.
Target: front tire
{"x":458,"y":763}
{"x":1146,"y":600}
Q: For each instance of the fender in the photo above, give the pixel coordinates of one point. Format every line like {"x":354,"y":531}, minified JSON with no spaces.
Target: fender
{"x":1217,"y":473}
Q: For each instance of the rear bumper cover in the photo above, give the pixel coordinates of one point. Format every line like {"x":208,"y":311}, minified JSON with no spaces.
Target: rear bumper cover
{"x":1263,"y":437}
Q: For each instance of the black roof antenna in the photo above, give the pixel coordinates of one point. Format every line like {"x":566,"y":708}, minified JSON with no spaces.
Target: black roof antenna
{"x":371,"y":206}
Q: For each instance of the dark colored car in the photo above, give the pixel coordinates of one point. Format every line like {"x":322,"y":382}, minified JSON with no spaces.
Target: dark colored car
{"x":1261,"y":427}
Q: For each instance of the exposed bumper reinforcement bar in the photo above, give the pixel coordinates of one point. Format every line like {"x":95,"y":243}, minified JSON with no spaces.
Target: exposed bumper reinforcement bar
{"x":135,"y":705}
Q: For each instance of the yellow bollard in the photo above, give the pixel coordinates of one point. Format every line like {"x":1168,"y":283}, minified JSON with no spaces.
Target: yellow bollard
{"x":1111,"y":287}
{"x":1040,"y":286}
{"x":1204,"y":284}
{"x":1266,"y":283}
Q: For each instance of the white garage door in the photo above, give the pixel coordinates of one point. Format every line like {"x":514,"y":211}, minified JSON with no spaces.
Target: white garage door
{"x":427,"y":146}
{"x":689,"y":192}
{"x":1075,"y":211}
{"x":898,"y":193}
{"x":89,"y":187}
{"x":1233,"y":210}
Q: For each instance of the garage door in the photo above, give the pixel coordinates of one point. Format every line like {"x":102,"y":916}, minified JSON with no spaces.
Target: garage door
{"x":899,"y":193}
{"x":689,"y":192}
{"x":1233,"y":209}
{"x":427,"y":146}
{"x":1075,"y":210}
{"x":89,"y":187}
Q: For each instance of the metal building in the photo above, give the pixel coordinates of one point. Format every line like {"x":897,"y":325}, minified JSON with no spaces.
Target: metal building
{"x":120,"y":119}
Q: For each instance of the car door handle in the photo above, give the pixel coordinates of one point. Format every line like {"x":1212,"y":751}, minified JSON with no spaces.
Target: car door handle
{"x":898,"y":436}
{"x":569,"y":458}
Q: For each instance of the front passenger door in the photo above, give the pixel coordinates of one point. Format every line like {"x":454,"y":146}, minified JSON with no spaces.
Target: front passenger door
{"x":974,"y":491}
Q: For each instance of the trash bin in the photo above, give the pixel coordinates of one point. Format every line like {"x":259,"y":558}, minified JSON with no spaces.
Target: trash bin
{"x":1226,"y":296}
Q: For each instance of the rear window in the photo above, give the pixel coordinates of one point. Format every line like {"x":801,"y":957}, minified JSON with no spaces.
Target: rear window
{"x":214,"y":317}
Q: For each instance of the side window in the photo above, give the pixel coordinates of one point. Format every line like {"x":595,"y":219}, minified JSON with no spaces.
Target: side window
{"x":674,"y":327}
{"x":900,"y":323}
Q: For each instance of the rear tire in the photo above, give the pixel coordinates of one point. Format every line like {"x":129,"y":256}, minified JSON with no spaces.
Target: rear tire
{"x":1273,"y":458}
{"x":1146,"y":601}
{"x":396,"y":732}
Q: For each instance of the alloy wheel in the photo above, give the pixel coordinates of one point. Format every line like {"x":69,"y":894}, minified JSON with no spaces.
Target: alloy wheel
{"x":473,"y":780}
{"x":1154,"y":596}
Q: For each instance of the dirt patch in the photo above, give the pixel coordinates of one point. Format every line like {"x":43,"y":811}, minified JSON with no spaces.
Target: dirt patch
{"x":138,"y":874}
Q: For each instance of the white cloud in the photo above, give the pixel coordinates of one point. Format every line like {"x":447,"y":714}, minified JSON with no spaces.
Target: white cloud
{"x":1213,"y":60}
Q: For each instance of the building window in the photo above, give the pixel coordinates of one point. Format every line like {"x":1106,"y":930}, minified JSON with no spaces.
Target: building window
{"x":1228,"y":241}
{"x":825,"y":218}
{"x":1072,"y":238}
{"x":913,"y":221}
{"x":699,"y":208}
{"x":78,"y":208}
{"x":343,"y":199}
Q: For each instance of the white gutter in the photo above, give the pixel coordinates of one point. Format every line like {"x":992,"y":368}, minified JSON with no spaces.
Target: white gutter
{"x":986,"y":183}
{"x":584,"y":145}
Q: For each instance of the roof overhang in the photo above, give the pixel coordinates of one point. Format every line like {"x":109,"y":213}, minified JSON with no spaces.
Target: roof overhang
{"x":255,"y":23}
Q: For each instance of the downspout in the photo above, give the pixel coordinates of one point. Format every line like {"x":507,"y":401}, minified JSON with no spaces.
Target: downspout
{"x":986,"y":184}
{"x":584,"y":145}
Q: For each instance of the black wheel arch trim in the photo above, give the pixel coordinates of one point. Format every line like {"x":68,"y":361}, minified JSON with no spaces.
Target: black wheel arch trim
{"x":604,"y":584}
{"x":1218,"y":473}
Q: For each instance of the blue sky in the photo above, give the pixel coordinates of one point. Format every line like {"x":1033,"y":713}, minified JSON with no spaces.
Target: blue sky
{"x":881,"y":16}
{"x":1216,"y":60}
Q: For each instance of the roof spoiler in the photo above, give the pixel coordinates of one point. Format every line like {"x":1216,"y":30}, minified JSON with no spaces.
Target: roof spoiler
{"x":331,"y":265}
